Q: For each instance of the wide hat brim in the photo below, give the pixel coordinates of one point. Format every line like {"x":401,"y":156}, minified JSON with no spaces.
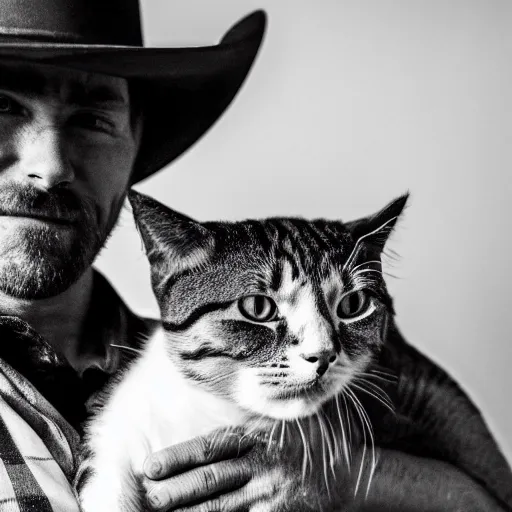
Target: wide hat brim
{"x":182,"y":91}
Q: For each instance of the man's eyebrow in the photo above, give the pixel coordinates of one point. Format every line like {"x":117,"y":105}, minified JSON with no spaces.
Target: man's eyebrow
{"x":34,"y":82}
{"x":97,"y":96}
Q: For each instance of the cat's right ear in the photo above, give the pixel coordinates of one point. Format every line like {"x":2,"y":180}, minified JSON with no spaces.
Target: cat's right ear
{"x":375,"y":230}
{"x":173,"y":242}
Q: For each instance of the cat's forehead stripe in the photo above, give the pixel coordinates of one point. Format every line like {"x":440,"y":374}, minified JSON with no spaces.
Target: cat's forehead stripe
{"x":310,"y":246}
{"x":249,"y":257}
{"x":290,"y":286}
{"x":284,"y":259}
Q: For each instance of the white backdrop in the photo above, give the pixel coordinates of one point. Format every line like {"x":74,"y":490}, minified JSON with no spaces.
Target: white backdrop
{"x":350,"y":104}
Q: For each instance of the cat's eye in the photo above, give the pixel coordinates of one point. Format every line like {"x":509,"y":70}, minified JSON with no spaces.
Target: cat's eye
{"x":258,"y":308}
{"x":353,"y":304}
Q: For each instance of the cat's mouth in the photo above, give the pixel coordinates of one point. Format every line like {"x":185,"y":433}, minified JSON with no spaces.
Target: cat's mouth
{"x":309,"y":389}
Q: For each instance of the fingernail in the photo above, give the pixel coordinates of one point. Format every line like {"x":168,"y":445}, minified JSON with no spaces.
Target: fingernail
{"x":154,"y":500}
{"x":153,"y":469}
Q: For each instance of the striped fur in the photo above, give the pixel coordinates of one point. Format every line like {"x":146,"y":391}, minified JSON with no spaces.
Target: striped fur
{"x":211,"y":366}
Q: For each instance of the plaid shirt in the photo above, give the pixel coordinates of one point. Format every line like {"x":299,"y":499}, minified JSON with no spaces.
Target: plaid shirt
{"x":43,"y":402}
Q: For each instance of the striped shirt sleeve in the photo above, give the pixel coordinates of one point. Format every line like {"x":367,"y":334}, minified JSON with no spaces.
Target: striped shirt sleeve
{"x":31,"y":479}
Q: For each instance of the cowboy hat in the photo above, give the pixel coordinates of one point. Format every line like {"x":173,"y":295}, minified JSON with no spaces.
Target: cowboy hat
{"x":182,"y":90}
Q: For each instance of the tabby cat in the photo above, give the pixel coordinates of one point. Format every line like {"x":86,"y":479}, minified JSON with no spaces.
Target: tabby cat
{"x":274,"y":325}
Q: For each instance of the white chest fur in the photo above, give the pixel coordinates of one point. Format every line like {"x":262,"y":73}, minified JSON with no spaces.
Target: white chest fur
{"x":152,"y":408}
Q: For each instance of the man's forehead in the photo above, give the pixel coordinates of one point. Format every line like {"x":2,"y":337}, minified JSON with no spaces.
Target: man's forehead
{"x":69,"y":85}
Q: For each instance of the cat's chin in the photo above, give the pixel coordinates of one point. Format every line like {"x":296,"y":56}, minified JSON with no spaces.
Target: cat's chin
{"x":283,"y":406}
{"x":285,"y":401}
{"x":290,"y":409}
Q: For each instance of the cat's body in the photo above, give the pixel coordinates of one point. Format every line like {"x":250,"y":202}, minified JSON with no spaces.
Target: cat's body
{"x":434,"y":419}
{"x":281,"y":327}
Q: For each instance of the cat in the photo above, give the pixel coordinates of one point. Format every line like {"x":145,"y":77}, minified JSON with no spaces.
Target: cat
{"x":273,"y":325}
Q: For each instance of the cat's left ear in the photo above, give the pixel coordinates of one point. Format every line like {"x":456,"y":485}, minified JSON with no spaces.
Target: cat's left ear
{"x":173,"y":241}
{"x":374,"y":231}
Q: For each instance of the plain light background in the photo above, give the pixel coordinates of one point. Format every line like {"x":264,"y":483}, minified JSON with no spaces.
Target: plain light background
{"x":350,"y":104}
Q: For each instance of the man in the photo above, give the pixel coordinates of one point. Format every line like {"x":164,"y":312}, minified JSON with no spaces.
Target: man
{"x":85,"y":112}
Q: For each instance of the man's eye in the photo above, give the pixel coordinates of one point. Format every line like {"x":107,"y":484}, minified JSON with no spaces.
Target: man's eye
{"x":94,"y":122}
{"x":8,"y":105}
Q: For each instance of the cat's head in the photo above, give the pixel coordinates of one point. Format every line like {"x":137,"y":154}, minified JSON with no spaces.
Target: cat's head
{"x":277,"y":315}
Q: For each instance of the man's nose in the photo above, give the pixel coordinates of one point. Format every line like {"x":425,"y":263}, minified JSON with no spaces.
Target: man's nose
{"x":43,"y":158}
{"x":321,"y":360}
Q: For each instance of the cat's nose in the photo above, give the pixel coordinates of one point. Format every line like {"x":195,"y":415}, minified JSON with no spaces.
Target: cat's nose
{"x":321,"y":360}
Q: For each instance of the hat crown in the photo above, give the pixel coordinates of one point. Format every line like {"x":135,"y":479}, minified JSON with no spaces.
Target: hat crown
{"x":93,"y":22}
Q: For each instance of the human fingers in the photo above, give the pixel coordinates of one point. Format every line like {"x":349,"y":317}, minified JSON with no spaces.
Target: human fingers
{"x":197,"y":485}
{"x":239,"y":500}
{"x":217,"y":446}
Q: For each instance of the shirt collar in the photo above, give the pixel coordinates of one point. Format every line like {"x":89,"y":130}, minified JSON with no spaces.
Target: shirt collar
{"x":108,"y":321}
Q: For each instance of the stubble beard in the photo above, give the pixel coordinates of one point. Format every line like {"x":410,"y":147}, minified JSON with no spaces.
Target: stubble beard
{"x":43,"y":260}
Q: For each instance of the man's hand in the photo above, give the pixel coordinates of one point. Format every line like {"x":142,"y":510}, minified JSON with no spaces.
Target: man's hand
{"x":237,"y":473}
{"x":223,"y":472}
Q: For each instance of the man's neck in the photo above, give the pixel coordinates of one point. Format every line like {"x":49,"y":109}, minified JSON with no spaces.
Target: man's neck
{"x":60,"y":319}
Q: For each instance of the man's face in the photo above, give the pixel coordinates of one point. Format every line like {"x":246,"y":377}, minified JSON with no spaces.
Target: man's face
{"x":67,"y":149}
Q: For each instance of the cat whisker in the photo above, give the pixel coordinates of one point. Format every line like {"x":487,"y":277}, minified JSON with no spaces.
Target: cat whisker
{"x":337,"y":455}
{"x":374,"y":459}
{"x":382,"y":400}
{"x":357,"y":246}
{"x":373,"y":385}
{"x":391,"y":254}
{"x":359,"y":475}
{"x":327,"y":435}
{"x":227,"y":433}
{"x":376,"y":389}
{"x":349,"y":424}
{"x":373,"y":395}
{"x":343,"y":435}
{"x":371,"y":475}
{"x":324,"y":454}
{"x":283,"y":429}
{"x":367,"y":421}
{"x":382,"y":370}
{"x":271,"y":440}
{"x":306,"y":454}
{"x":127,"y":348}
{"x":256,"y":426}
{"x":378,"y":262}
{"x":388,"y":378}
{"x":363,"y":271}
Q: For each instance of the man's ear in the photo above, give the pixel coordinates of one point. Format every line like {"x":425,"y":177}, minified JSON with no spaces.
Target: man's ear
{"x":173,"y":242}
{"x":373,"y":232}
